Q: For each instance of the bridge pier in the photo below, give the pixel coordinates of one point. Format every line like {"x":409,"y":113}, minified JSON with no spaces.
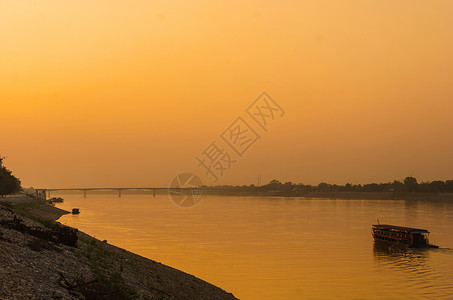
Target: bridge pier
{"x":154,"y":193}
{"x":119,"y":193}
{"x":84,"y":193}
{"x":41,"y":193}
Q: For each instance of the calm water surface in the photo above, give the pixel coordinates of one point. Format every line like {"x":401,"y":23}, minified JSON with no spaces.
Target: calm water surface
{"x":279,"y":248}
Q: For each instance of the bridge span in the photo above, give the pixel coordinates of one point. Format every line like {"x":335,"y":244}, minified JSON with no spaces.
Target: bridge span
{"x":46,"y":193}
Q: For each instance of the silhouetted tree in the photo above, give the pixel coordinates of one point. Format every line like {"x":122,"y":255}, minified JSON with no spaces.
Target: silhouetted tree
{"x":274,"y":185}
{"x":372,"y":187}
{"x":348,"y":187}
{"x":437,"y":186}
{"x":411,"y":184}
{"x":288,"y":186}
{"x":9,"y":184}
{"x":324,"y":187}
{"x":449,"y":186}
{"x":275,"y":182}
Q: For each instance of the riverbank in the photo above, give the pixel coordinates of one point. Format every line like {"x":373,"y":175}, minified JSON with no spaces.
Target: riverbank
{"x":38,"y":260}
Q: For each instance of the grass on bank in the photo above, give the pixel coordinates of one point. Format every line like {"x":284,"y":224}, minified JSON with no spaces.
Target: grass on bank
{"x":25,"y":209}
{"x":109,"y":283}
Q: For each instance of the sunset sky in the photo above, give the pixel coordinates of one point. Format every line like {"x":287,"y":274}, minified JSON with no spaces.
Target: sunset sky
{"x":129,"y":93}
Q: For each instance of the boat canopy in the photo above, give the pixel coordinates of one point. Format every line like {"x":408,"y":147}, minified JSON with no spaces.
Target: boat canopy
{"x":400,"y":228}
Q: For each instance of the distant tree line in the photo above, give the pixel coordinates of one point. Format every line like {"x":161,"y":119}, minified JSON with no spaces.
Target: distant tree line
{"x":9,"y":184}
{"x":409,"y":184}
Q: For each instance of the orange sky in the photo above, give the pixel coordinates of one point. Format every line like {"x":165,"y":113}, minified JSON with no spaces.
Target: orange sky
{"x":128,"y":93}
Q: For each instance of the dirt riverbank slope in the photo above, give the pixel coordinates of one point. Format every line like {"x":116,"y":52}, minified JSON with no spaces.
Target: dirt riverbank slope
{"x":39,"y":260}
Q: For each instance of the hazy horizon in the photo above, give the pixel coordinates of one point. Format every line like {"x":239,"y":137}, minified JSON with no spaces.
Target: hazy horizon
{"x":129,"y":94}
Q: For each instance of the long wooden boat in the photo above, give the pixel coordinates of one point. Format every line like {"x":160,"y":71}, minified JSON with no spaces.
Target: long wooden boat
{"x":410,"y":237}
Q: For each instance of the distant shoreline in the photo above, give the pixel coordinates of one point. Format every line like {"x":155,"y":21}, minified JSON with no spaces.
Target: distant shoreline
{"x":337,"y":195}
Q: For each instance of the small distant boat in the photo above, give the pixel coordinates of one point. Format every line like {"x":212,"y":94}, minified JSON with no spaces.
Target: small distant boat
{"x":56,"y":200}
{"x":410,"y":237}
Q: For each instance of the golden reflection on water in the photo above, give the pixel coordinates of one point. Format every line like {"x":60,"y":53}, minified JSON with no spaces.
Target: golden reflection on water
{"x":279,"y":248}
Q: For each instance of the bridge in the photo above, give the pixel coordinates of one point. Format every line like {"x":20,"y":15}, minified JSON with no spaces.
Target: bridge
{"x":44,"y":193}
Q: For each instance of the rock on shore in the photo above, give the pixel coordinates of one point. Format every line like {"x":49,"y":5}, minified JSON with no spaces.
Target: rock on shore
{"x":35,"y":263}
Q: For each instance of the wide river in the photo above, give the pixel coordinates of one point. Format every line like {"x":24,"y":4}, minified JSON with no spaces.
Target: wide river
{"x":279,"y":248}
